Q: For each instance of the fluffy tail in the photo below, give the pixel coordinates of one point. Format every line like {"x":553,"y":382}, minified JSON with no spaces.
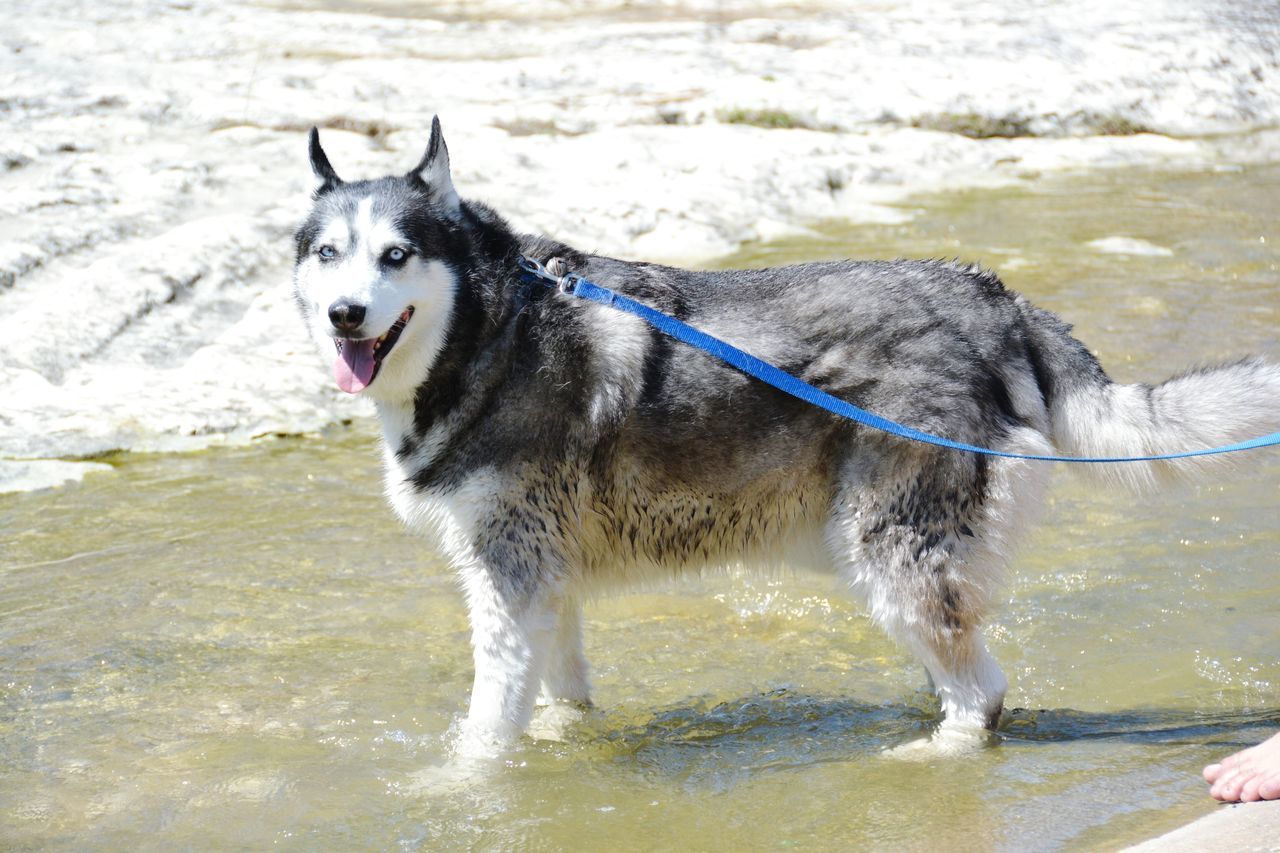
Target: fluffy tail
{"x":1202,"y":408}
{"x":1089,"y":415}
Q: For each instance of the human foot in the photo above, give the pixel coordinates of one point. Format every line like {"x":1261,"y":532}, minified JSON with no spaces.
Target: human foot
{"x":1248,"y":775}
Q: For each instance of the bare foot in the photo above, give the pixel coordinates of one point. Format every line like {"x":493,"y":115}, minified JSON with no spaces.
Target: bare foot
{"x":1248,"y":775}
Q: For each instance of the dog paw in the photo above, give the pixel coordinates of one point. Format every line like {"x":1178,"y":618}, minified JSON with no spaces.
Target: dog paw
{"x":458,"y":774}
{"x":552,"y":722}
{"x":946,"y":742}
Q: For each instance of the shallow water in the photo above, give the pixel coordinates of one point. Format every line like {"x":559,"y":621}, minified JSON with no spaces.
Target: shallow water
{"x":239,"y":648}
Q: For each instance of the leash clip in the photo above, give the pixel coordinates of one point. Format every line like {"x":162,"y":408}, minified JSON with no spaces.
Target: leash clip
{"x":532,"y":268}
{"x":566,"y":283}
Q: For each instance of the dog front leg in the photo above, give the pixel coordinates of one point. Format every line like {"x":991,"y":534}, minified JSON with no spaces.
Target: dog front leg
{"x":511,"y":634}
{"x":564,"y":677}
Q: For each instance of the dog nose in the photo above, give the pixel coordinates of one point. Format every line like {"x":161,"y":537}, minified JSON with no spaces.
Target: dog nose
{"x":346,"y":316}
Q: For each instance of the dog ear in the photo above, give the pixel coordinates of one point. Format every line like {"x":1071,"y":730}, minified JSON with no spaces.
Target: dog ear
{"x":434,"y":172}
{"x":320,"y":164}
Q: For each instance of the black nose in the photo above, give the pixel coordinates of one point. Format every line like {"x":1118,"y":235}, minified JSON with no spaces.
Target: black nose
{"x":346,"y":316}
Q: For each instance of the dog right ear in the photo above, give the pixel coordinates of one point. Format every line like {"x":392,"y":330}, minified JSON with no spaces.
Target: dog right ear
{"x":320,"y":165}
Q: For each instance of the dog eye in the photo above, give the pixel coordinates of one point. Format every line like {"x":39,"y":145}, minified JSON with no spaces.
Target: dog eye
{"x":328,"y":252}
{"x":397,"y":255}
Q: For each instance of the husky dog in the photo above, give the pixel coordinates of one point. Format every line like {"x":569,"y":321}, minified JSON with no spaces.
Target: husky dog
{"x":554,"y":447}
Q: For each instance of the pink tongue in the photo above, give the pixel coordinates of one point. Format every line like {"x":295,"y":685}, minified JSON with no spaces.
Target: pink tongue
{"x":354,"y":367}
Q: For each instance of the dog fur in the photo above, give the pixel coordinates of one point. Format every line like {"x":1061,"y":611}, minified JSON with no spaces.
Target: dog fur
{"x":555,"y":448}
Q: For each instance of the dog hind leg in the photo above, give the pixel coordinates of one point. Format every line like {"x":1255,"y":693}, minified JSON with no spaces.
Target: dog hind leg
{"x":924,"y":539}
{"x":929,"y":607}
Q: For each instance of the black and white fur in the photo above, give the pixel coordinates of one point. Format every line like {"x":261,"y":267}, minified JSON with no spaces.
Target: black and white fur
{"x":555,"y":447}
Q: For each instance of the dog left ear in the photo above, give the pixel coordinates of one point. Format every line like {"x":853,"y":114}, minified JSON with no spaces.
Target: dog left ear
{"x":434,"y":172}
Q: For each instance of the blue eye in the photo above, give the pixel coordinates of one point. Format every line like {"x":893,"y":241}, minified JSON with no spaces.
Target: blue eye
{"x":397,"y":255}
{"x":328,"y":252}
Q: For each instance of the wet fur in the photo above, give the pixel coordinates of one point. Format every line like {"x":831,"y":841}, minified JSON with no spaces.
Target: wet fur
{"x":554,"y":448}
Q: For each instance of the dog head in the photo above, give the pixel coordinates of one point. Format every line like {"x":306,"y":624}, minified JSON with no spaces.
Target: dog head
{"x":376,"y":272}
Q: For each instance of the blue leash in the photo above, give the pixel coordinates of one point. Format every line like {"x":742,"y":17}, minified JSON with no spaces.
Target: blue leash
{"x":576,"y":285}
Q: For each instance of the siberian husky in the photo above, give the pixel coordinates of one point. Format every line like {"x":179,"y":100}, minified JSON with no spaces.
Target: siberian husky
{"x":554,"y":447}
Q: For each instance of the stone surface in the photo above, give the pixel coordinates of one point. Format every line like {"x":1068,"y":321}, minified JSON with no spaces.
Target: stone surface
{"x":1240,"y":828}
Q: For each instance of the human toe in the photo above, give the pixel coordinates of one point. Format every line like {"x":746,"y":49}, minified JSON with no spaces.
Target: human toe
{"x":1269,"y":788}
{"x":1228,"y":786}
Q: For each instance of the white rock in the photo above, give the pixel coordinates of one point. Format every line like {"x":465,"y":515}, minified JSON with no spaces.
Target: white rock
{"x":34,"y":474}
{"x":1128,"y":246}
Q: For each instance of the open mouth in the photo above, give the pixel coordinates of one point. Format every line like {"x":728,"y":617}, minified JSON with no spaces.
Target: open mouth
{"x":358,"y":361}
